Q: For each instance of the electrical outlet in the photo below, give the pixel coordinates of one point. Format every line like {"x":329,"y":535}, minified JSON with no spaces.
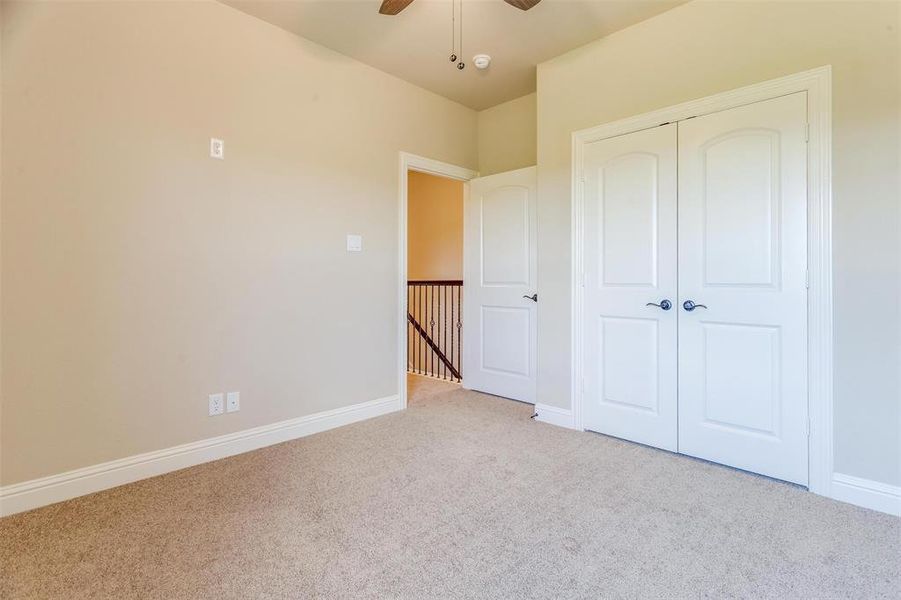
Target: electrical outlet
{"x":217,"y":149}
{"x":233,"y":401}
{"x":217,"y":404}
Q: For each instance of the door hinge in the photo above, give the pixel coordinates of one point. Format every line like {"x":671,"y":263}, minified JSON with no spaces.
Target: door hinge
{"x":807,"y":427}
{"x":807,"y":279}
{"x":807,"y":133}
{"x":583,"y":385}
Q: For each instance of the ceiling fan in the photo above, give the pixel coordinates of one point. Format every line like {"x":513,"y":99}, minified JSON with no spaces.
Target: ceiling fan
{"x":392,"y":7}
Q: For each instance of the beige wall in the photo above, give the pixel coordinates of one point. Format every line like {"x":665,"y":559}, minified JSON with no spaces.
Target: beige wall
{"x":507,"y":136}
{"x":706,"y":47}
{"x":435,"y":227}
{"x":139,"y":275}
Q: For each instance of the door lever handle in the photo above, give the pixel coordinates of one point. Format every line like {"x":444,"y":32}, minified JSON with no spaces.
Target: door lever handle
{"x":664,"y":304}
{"x":533,"y":297}
{"x":689,"y":305}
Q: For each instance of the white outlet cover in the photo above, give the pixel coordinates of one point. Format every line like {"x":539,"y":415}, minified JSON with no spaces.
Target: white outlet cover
{"x":217,"y":404}
{"x":233,"y":402}
{"x":354,"y":242}
{"x":217,"y":149}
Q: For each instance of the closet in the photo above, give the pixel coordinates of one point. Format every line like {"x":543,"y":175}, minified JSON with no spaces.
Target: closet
{"x":694,"y":305}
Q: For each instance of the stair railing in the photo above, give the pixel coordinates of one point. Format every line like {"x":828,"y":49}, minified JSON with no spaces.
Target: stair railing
{"x":434,"y":328}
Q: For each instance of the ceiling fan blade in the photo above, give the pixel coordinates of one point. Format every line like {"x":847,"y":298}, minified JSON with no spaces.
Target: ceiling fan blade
{"x":522,"y":4}
{"x":392,"y":7}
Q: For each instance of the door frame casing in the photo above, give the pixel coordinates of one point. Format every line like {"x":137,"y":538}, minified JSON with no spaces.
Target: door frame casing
{"x":818,"y":85}
{"x":412,"y":162}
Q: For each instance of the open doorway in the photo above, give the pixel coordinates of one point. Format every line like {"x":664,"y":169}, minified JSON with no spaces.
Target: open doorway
{"x":434,"y":283}
{"x":431,"y":297}
{"x":478,"y":329}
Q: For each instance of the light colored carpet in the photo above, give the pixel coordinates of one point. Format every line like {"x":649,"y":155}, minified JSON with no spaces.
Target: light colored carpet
{"x":461,"y":496}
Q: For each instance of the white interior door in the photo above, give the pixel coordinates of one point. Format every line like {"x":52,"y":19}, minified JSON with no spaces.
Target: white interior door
{"x":743,"y":261}
{"x":500,"y":326}
{"x":630,"y":265}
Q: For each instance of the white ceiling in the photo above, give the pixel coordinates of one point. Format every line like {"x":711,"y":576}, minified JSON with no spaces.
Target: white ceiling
{"x":415,"y":45}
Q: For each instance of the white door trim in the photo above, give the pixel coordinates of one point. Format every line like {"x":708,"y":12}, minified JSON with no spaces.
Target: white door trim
{"x":818,"y":85}
{"x":412,"y":162}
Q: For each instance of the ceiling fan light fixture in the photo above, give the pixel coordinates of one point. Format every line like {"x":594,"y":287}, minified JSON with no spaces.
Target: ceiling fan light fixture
{"x":481,"y":61}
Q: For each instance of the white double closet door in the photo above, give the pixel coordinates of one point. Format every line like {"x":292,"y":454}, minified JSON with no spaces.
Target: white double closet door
{"x":708,"y":218}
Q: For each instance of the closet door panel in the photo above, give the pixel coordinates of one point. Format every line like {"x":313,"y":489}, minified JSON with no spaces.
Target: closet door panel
{"x":742,"y":261}
{"x":630,"y":265}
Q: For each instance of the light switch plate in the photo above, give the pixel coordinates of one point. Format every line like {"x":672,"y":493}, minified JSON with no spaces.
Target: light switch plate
{"x":354,"y":243}
{"x":233,"y":401}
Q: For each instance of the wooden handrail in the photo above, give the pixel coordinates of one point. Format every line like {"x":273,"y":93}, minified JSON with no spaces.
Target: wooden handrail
{"x":447,"y":282}
{"x":431,"y":344}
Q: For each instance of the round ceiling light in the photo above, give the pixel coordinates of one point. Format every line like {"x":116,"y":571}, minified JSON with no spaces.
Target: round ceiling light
{"x":481,"y":61}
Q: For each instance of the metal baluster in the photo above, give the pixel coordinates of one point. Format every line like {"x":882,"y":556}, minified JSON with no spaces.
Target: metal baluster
{"x":409,"y":336}
{"x":436,"y":341}
{"x":432,"y":328}
{"x":410,"y":359}
{"x":436,"y":367}
{"x":419,"y":319}
{"x":451,"y":353}
{"x":415,"y":341}
{"x":459,"y":328}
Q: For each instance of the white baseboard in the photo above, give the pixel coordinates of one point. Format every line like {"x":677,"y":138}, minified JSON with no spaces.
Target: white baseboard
{"x":867,"y":493}
{"x":552,"y":415}
{"x":56,"y":488}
